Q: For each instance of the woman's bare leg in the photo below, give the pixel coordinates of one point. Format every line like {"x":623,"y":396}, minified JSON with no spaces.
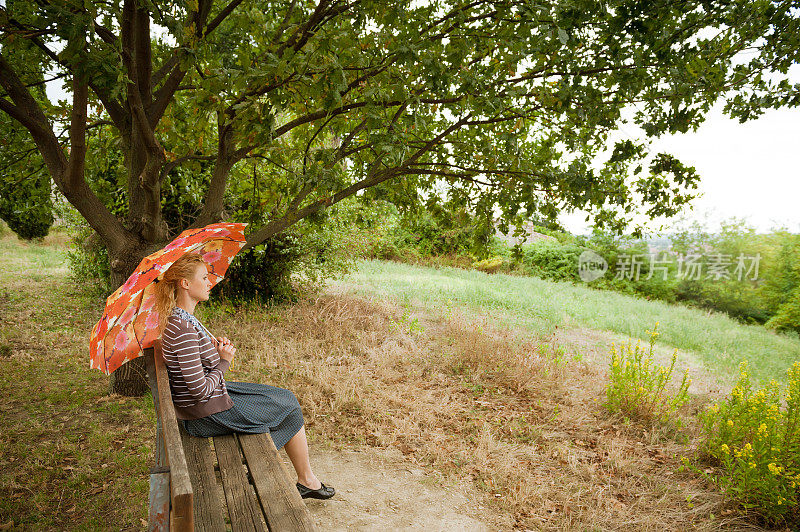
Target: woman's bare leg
{"x":297,"y":449}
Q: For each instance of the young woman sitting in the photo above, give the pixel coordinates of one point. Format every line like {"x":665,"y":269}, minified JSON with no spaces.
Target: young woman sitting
{"x":207,"y":404}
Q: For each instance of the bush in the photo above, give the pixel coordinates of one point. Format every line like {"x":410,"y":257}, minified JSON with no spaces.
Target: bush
{"x":488,"y":265}
{"x":787,"y":317}
{"x":88,"y":262}
{"x":638,"y":387}
{"x":736,"y":299}
{"x":756,"y":442}
{"x":549,"y":259}
{"x":262,"y":272}
{"x":440,"y":231}
{"x":28,"y":208}
{"x":299,"y":259}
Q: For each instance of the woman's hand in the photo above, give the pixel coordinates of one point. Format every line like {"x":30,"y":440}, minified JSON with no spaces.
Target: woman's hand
{"x":226,"y":351}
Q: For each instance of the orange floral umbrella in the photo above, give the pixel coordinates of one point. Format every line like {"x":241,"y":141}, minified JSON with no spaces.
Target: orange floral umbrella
{"x":130,"y":321}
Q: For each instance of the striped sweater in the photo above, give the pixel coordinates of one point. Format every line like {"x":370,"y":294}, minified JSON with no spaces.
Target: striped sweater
{"x":195,"y":371}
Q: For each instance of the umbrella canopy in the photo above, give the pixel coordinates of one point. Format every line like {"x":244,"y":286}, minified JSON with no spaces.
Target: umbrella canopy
{"x":130,"y":320}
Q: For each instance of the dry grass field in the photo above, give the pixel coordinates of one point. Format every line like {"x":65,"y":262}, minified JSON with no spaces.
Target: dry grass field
{"x":515,"y":415}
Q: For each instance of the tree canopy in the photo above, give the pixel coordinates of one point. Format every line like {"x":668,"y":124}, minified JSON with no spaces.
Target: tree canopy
{"x":506,"y":104}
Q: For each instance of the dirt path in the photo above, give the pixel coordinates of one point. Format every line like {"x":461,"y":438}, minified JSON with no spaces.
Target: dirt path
{"x":377,"y":492}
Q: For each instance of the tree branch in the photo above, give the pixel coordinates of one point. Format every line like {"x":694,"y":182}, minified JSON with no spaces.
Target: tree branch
{"x":77,"y":133}
{"x":26,"y":110}
{"x":164,"y":95}
{"x":215,"y":196}
{"x":135,"y":102}
{"x":114,"y":109}
{"x":374,"y":177}
{"x":17,"y":114}
{"x":305,"y":29}
{"x":170,"y":166}
{"x":159,"y":74}
{"x":276,"y":226}
{"x":284,"y":24}
{"x":106,"y":34}
{"x":67,"y":175}
{"x":443,"y":173}
{"x":227,"y":10}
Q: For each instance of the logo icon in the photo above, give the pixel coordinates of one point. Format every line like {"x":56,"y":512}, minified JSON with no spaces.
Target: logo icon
{"x":591,"y":266}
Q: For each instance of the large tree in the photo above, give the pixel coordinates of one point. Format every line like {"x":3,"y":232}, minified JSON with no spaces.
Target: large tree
{"x":508,"y":103}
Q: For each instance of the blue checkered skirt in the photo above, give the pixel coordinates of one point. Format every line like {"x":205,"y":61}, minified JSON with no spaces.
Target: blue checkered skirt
{"x":257,"y":409}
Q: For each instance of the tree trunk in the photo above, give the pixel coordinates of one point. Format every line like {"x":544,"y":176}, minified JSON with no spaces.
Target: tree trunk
{"x":144,"y":220}
{"x":130,"y":379}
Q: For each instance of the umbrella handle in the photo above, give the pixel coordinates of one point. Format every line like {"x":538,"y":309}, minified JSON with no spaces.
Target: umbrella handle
{"x":215,"y":340}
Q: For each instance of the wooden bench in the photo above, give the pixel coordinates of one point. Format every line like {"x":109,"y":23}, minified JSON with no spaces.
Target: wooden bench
{"x":239,"y":485}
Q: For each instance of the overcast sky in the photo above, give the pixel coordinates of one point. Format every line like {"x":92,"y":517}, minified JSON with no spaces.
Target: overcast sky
{"x":749,"y":170}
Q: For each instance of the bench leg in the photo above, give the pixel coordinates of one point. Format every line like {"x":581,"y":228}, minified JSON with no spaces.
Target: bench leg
{"x":158,"y":520}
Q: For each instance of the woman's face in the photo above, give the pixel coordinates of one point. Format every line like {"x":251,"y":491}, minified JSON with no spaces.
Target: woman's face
{"x":198,"y":285}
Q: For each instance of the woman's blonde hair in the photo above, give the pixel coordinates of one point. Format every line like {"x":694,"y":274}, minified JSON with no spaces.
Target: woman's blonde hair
{"x":166,"y":289}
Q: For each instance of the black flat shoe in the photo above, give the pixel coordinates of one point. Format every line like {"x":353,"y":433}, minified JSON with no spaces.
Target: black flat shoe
{"x":324,"y":492}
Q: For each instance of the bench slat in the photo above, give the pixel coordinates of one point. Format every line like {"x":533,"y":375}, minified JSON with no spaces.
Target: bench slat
{"x":243,"y":508}
{"x":279,"y":498}
{"x":181,"y":517}
{"x":208,"y":514}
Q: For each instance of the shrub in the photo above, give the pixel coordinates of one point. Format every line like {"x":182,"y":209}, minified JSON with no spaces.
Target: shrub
{"x":299,"y":259}
{"x":550,"y":259}
{"x":490,"y":265}
{"x":787,"y":316}
{"x":88,"y":262}
{"x":638,"y":387}
{"x":754,"y":436}
{"x":262,"y":272}
{"x":28,"y":208}
{"x":438,"y":231}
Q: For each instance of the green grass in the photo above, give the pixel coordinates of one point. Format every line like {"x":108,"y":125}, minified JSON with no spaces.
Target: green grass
{"x":71,"y":456}
{"x":715,"y":339}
